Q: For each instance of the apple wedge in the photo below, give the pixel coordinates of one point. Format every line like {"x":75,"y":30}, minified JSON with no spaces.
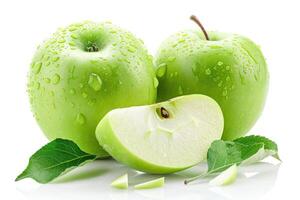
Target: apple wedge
{"x":162,"y":138}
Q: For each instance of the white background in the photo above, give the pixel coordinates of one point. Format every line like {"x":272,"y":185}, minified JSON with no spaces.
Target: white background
{"x":274,"y":25}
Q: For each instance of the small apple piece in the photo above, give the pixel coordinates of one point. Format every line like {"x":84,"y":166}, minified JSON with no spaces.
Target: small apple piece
{"x":226,"y":177}
{"x":162,"y":138}
{"x":121,"y":182}
{"x":151,"y":184}
{"x":82,"y":72}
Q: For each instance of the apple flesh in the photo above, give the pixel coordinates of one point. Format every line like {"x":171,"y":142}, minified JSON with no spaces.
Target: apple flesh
{"x":162,"y":138}
{"x":226,"y":177}
{"x":151,"y":184}
{"x":229,"y":68}
{"x":121,"y":182}
{"x":82,"y":72}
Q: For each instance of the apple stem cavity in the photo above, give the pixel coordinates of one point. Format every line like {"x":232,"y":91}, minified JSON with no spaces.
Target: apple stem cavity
{"x":197,"y":21}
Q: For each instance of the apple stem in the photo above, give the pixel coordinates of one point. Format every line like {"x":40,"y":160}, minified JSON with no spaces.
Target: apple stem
{"x":196,"y":20}
{"x":194,"y":178}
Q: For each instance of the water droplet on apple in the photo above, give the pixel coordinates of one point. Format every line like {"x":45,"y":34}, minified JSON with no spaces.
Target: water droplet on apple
{"x":54,"y":59}
{"x":180,"y":91}
{"x":131,"y":49}
{"x":220,"y":63}
{"x":155,"y":82}
{"x":224,"y":93}
{"x":161,"y":70}
{"x":84,"y":95}
{"x":47,"y":80}
{"x":37,"y":67}
{"x":72,"y":91}
{"x":74,"y":36}
{"x":227,"y":78}
{"x":181,"y":40}
{"x":227,"y":67}
{"x":37,"y":85}
{"x":256,"y":76}
{"x":95,"y":82}
{"x":55,"y":79}
{"x":207,"y":71}
{"x":61,"y":41}
{"x":80,"y":118}
{"x":171,"y":58}
{"x":220,"y":84}
{"x":242,"y":78}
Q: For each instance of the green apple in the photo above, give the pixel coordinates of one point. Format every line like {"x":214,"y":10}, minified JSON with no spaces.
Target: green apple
{"x":159,"y":182}
{"x":82,"y":72}
{"x":227,"y":67}
{"x":162,"y":138}
{"x":226,"y":177}
{"x":121,"y":182}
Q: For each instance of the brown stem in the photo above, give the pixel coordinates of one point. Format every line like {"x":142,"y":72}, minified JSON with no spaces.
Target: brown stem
{"x":196,"y":20}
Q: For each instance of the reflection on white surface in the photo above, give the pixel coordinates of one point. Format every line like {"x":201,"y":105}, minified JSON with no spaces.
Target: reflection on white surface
{"x":93,"y":182}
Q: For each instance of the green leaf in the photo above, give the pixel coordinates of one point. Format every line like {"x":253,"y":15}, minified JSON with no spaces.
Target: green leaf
{"x":54,"y":159}
{"x":245,"y":150}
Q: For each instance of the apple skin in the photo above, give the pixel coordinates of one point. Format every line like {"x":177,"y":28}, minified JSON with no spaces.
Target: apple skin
{"x":229,"y":68}
{"x":82,"y":72}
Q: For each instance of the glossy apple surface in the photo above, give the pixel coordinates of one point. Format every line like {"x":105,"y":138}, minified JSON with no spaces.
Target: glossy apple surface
{"x":229,"y":68}
{"x":82,"y":72}
{"x":162,"y":138}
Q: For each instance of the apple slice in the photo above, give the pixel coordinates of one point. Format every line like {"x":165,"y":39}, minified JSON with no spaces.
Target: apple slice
{"x":162,"y":138}
{"x":121,"y":182}
{"x":151,"y":184}
{"x":226,"y":177}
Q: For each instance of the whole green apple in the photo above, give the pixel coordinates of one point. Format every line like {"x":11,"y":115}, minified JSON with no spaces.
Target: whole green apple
{"x":82,"y":72}
{"x":227,"y":67}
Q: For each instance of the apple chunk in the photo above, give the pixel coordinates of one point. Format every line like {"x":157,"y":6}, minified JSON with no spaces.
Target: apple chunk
{"x":162,"y":138}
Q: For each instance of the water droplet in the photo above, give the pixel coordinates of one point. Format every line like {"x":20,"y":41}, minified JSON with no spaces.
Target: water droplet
{"x":220,"y":63}
{"x":180,"y":90}
{"x":74,"y":36}
{"x":131,"y":49}
{"x":215,"y":47}
{"x":161,"y":70}
{"x":207,"y":71}
{"x":72,"y":91}
{"x":224,"y":93}
{"x":227,"y":78}
{"x":181,"y":40}
{"x":37,"y":67}
{"x":171,"y":58}
{"x":155,"y":82}
{"x":55,"y":79}
{"x":227,"y":67}
{"x":220,"y":84}
{"x":256,"y":76}
{"x":84,"y":95}
{"x":242,"y":78}
{"x":61,"y":41}
{"x":95,"y":82}
{"x":37,"y":85}
{"x":54,"y":59}
{"x":47,"y":80}
{"x":80,"y":118}
{"x":72,"y":28}
{"x":72,"y":43}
